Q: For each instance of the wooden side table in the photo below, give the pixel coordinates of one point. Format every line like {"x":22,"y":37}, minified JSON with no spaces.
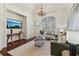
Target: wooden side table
{"x":11,"y":35}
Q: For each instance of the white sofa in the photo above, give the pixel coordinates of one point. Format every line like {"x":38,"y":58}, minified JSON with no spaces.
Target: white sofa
{"x":49,"y":35}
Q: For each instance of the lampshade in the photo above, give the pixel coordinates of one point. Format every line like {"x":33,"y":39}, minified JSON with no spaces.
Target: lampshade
{"x":61,"y":30}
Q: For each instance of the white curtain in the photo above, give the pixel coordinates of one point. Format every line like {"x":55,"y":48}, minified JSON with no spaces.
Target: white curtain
{"x":48,"y":24}
{"x":73,"y":22}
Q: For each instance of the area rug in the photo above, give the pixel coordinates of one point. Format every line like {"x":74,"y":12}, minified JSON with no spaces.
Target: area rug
{"x":29,"y":49}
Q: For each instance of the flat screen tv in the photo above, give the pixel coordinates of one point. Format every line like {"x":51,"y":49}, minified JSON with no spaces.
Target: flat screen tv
{"x":14,"y":24}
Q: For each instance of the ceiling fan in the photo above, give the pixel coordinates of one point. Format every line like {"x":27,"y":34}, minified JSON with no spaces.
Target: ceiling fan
{"x":41,"y":12}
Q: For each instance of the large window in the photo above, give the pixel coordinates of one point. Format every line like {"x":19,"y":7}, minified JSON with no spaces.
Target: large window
{"x":48,"y":24}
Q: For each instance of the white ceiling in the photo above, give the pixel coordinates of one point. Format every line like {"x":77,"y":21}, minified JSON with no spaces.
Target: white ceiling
{"x":48,"y":7}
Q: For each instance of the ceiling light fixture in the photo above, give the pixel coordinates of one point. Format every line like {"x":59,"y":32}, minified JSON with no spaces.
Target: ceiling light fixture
{"x":41,"y":11}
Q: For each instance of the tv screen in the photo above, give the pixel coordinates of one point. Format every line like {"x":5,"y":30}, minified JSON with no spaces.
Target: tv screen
{"x":14,"y":24}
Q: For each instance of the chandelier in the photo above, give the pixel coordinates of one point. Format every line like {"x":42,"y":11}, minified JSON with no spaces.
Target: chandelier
{"x":41,"y":12}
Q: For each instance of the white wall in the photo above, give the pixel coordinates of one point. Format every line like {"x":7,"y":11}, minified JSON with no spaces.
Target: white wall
{"x":2,"y":27}
{"x":30,"y":26}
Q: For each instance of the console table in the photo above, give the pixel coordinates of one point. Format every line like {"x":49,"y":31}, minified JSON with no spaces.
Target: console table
{"x":11,"y":35}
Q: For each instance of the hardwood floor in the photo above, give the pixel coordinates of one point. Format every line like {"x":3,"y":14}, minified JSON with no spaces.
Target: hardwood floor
{"x":15,"y":44}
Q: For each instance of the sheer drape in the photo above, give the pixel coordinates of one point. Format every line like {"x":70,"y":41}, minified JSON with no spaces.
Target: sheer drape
{"x":73,"y":22}
{"x":48,"y":24}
